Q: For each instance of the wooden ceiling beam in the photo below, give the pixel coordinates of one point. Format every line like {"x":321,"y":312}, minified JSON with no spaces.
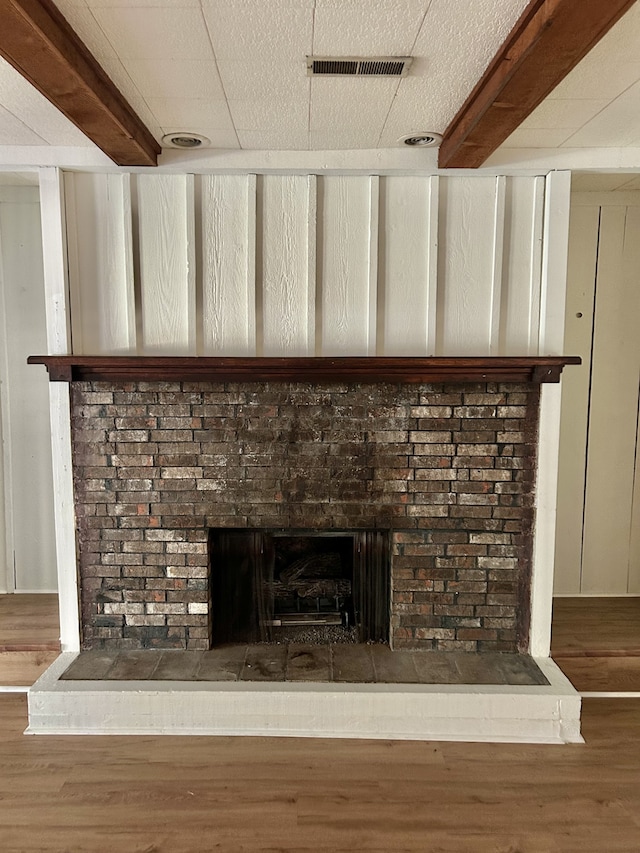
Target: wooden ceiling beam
{"x":549,"y":39}
{"x":39,"y":43}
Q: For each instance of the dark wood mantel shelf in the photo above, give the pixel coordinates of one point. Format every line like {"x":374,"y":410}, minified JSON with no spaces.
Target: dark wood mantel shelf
{"x":74,"y":368}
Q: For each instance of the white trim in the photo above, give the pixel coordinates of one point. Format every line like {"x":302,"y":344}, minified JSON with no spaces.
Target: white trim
{"x":14,"y":688}
{"x":6,"y":478}
{"x":596,"y":594}
{"x":485,"y":713}
{"x":59,"y":343}
{"x":431,"y":244}
{"x":380,"y":161}
{"x":550,"y":342}
{"x":554,"y":263}
{"x":36,"y":591}
{"x":545,"y":524}
{"x":610,"y":694}
{"x":497,"y":264}
{"x":576,"y":159}
{"x":311,"y":273}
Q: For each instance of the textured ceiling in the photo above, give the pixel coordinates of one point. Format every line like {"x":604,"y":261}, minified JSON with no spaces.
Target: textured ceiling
{"x":234,"y":71}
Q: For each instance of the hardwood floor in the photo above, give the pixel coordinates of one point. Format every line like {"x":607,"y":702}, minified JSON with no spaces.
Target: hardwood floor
{"x":29,"y":623}
{"x":596,"y":627}
{"x":596,"y":643}
{"x":189,"y":795}
{"x":280,"y":795}
{"x":29,"y":637}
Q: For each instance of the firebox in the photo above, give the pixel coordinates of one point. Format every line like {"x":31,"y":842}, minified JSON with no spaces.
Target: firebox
{"x":299,"y":586}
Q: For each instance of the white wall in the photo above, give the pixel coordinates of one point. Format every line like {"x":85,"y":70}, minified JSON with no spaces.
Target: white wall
{"x":27,"y":531}
{"x":598,"y":533}
{"x":305,"y":264}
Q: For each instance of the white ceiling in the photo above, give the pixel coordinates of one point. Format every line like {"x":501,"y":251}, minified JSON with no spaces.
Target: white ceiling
{"x":234,"y":71}
{"x":618,"y":182}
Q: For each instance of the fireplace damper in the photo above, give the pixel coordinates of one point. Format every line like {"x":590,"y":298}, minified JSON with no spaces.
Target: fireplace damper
{"x":279,"y":586}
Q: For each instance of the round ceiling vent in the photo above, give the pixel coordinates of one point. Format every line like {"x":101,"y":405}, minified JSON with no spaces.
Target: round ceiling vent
{"x":185,"y":140}
{"x":422,"y":139}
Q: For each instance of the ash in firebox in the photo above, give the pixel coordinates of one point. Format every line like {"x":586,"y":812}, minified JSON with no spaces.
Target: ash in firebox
{"x":314,"y":635}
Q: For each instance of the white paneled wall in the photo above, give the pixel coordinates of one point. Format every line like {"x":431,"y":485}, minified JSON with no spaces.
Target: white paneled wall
{"x":347,"y":238}
{"x":228,"y":271}
{"x":305,"y":265}
{"x":105,"y":304}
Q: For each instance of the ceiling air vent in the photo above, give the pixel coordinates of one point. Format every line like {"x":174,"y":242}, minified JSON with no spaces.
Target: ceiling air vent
{"x":358,"y":66}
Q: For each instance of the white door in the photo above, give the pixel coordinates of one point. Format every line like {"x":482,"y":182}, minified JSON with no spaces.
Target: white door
{"x":598,"y":530}
{"x":26,"y":496}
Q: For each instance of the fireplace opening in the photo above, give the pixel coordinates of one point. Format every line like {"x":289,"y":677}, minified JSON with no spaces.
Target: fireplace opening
{"x":279,"y":586}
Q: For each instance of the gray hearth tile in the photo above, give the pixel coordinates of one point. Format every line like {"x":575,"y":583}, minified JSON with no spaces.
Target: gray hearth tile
{"x":178,"y":666}
{"x":92,"y":665}
{"x":135,"y":666}
{"x":436,"y":667}
{"x":308,"y":663}
{"x":264,"y":663}
{"x":520,"y":669}
{"x":393,"y":667}
{"x":480,"y":668}
{"x":352,"y":663}
{"x":222,"y":664}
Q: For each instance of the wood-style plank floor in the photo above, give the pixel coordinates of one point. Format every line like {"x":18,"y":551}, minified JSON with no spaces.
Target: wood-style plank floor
{"x":596,"y":643}
{"x":275,"y":795}
{"x":29,"y":637}
{"x":596,"y":627}
{"x":29,"y":623}
{"x":280,"y":795}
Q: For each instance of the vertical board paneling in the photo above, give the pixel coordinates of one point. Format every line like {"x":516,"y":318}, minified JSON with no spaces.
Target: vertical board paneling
{"x":408,"y":232}
{"x":614,"y":405}
{"x":583,"y":247}
{"x":385,"y":284}
{"x":288,"y":265}
{"x":498,"y":263}
{"x":345,"y":236}
{"x":634,"y":543}
{"x":167,"y":263}
{"x":100,"y":263}
{"x":520,"y":312}
{"x":553,"y":280}
{"x":471,"y":227}
{"x":228,"y":264}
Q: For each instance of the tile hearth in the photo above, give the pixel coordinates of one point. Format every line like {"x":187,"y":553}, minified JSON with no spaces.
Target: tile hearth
{"x":343,"y":663}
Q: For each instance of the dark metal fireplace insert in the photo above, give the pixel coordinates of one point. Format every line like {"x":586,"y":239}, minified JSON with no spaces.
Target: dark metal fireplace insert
{"x":283,"y":585}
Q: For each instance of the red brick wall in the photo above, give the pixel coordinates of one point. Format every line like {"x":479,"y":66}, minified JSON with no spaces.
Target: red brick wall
{"x":449,"y":470}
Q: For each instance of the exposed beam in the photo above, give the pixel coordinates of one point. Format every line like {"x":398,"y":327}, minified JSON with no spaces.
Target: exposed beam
{"x":40,"y":44}
{"x":550,"y":38}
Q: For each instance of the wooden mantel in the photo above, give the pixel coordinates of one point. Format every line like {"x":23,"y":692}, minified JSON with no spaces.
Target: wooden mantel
{"x":72,"y":368}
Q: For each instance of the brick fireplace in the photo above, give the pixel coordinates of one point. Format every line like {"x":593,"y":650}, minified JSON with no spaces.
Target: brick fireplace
{"x":439,"y":455}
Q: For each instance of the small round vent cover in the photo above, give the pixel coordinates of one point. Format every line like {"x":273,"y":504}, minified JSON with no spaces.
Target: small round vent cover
{"x":422,"y":139}
{"x":184,"y":139}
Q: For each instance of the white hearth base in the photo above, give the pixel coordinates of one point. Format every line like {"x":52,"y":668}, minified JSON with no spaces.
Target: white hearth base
{"x":498,"y":713}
